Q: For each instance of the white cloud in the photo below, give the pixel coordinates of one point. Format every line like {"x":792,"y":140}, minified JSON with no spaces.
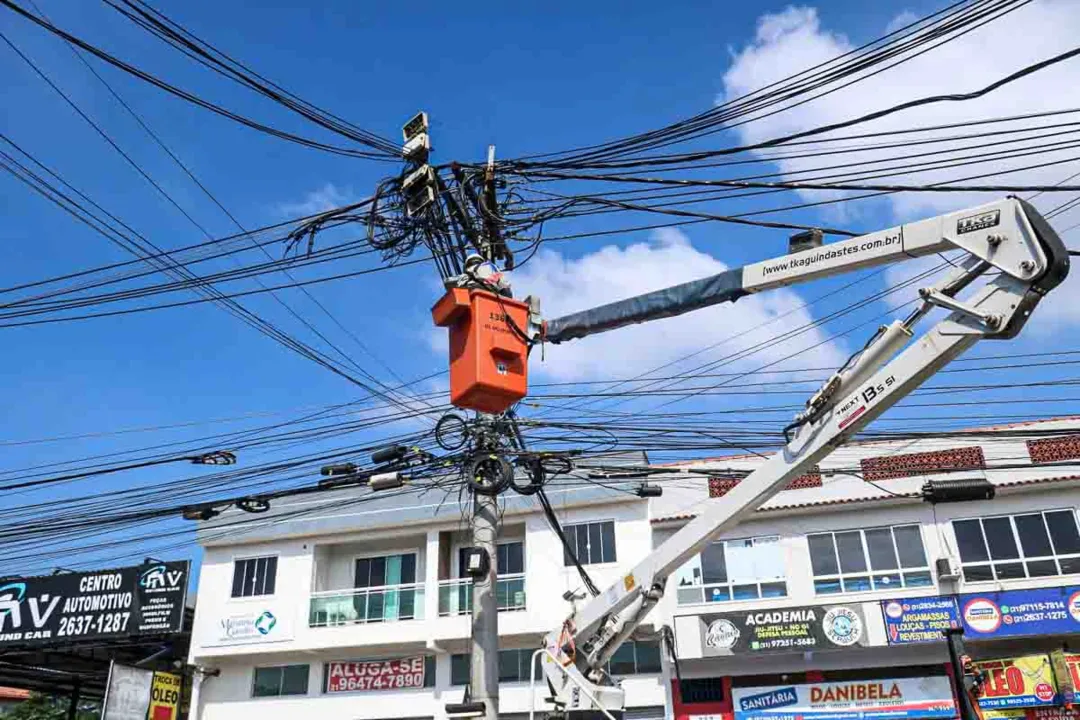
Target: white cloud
{"x":796,"y":38}
{"x":612,"y":273}
{"x":328,"y":197}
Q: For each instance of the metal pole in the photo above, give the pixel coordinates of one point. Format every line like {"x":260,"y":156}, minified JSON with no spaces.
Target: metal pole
{"x":484,"y":675}
{"x":955,"y":641}
{"x":73,"y":703}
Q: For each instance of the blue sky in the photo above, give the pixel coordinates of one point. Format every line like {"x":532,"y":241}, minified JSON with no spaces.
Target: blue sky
{"x":528,"y":79}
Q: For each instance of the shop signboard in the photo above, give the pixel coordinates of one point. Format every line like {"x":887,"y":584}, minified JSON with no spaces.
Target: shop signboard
{"x":255,"y":623}
{"x":919,"y":619}
{"x":1016,"y":682}
{"x":891,"y":699}
{"x":1013,"y":613}
{"x":164,"y":696}
{"x":792,"y":629}
{"x":375,"y":675}
{"x":88,"y":606}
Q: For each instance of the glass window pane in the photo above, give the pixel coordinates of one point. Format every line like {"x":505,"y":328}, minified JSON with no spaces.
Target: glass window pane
{"x":849,"y":546}
{"x":918,"y":579}
{"x":999,"y":537}
{"x":270,"y":577}
{"x":740,"y":557}
{"x":768,"y":559}
{"x":251,"y":573}
{"x":978,"y":573}
{"x":267,"y":682}
{"x":1042,"y":568}
{"x":879,"y":543}
{"x":459,"y":669}
{"x":689,"y":573}
{"x":596,"y":545}
{"x":713,"y":564}
{"x":294,"y":680}
{"x":363,"y":573}
{"x":408,"y":569}
{"x":775,"y":589}
{"x":378,"y":572}
{"x":969,"y":540}
{"x":238,"y":578}
{"x":583,"y":544}
{"x":607,"y":530}
{"x":1069,"y":566}
{"x":429,"y":671}
{"x":856,"y":584}
{"x":571,"y":541}
{"x":508,"y":666}
{"x":886,"y":581}
{"x":744,"y":592}
{"x":1033,"y":538}
{"x":909,"y":546}
{"x":827,"y":587}
{"x":648,"y":657}
{"x":622,"y":661}
{"x":822,"y":554}
{"x":1062,"y":525}
{"x":717,"y":593}
{"x":515,"y":559}
{"x":689,"y":595}
{"x":1009,"y":571}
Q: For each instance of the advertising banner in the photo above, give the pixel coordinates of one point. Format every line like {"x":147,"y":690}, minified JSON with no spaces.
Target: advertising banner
{"x":164,"y":697}
{"x":375,"y":675}
{"x":925,"y":697}
{"x":253,"y":624}
{"x":1016,"y":683}
{"x":127,"y":696}
{"x":1067,"y":674}
{"x":1010,"y":613}
{"x":795,"y":629}
{"x":69,"y":607}
{"x":920,"y":619}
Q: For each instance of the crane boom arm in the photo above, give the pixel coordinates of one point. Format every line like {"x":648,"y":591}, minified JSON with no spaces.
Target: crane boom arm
{"x":1008,"y":235}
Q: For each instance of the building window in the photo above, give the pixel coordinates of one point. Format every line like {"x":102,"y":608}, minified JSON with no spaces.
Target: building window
{"x":385,"y":588}
{"x":592,"y":542}
{"x":1037,"y":544}
{"x":282,"y":680}
{"x":513,"y":667}
{"x":635,"y":658}
{"x":861,"y":560}
{"x":254,"y":576}
{"x":733,"y":570}
{"x":701,"y":690}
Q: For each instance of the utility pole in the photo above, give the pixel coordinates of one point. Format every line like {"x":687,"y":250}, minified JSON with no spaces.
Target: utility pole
{"x":963,"y":679}
{"x":484,"y":676}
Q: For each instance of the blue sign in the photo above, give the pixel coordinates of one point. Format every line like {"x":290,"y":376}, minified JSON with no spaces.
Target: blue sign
{"x":919,"y":619}
{"x":1011,"y":613}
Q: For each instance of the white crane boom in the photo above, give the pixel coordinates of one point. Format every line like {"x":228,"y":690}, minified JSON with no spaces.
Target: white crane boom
{"x":1008,"y":235}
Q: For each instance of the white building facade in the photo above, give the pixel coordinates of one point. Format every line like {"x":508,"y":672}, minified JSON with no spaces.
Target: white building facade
{"x":838,"y":583}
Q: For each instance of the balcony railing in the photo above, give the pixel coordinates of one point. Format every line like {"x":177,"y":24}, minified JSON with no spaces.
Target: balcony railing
{"x":389,"y":603}
{"x":455,"y":596}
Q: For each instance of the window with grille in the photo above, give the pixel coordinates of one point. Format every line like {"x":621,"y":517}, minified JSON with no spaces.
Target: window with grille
{"x":885,"y":558}
{"x":733,"y":570}
{"x":281,"y":680}
{"x":1007,"y":547}
{"x":593,"y":543}
{"x":254,"y":576}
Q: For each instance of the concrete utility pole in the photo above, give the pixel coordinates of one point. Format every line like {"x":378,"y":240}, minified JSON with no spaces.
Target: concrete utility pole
{"x":484,"y":677}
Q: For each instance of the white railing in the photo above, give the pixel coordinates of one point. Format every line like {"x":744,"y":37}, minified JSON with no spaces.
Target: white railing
{"x":455,"y":596}
{"x":387,"y":603}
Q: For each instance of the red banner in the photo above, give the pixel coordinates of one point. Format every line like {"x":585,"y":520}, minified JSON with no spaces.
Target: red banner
{"x":375,"y":675}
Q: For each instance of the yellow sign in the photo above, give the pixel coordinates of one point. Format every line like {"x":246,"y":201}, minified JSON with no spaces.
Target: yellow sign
{"x":164,"y":697}
{"x":1014,"y":683}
